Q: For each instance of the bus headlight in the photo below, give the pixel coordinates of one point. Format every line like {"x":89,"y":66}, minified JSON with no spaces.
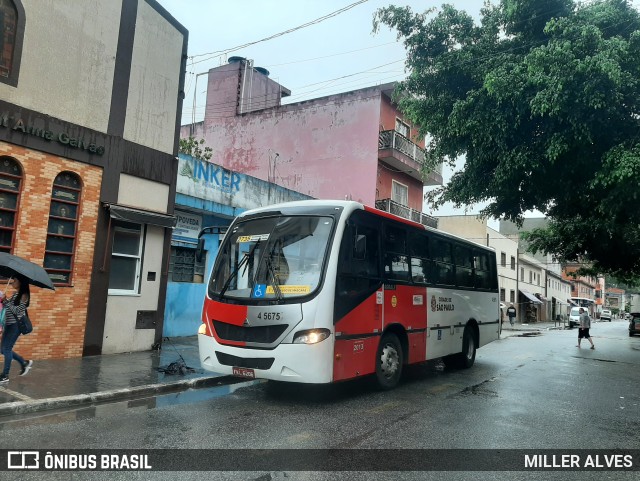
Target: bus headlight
{"x":311,"y":336}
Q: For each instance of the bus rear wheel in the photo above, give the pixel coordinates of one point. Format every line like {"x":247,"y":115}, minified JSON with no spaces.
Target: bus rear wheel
{"x":389,"y":360}
{"x":467,"y":357}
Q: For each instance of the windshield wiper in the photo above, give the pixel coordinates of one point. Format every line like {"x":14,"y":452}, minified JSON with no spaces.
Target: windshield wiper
{"x":245,"y":260}
{"x":274,"y":278}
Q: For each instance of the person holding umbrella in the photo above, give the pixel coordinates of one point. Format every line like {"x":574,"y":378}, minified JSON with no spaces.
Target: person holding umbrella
{"x":15,"y":306}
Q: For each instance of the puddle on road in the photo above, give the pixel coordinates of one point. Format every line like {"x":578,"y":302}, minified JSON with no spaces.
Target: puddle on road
{"x":109,"y":408}
{"x":528,"y":334}
{"x":479,"y":389}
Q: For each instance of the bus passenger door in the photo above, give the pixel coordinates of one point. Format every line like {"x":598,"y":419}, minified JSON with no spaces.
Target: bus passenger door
{"x":358,"y":299}
{"x":404,"y":297}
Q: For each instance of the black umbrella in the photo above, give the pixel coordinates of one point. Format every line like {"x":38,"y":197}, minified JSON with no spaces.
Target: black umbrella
{"x":11,"y":265}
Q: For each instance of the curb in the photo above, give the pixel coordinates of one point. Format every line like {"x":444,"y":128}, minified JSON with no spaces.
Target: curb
{"x":74,"y":400}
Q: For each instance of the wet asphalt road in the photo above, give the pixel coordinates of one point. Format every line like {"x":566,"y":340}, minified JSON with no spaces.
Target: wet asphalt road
{"x":534,"y":392}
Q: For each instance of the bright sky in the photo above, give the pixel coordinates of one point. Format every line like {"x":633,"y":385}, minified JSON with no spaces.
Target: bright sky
{"x":337,"y":54}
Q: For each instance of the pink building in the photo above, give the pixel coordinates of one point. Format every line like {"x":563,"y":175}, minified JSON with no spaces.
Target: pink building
{"x":354,"y":145}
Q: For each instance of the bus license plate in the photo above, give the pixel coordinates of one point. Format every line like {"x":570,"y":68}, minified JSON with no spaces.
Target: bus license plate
{"x":244,"y":372}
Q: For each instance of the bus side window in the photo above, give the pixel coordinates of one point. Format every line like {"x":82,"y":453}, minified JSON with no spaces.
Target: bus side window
{"x":396,"y":263}
{"x":483,"y":271}
{"x":464,"y":267}
{"x":365,"y":252}
{"x":443,"y":270}
{"x":359,"y":247}
{"x":420,"y":263}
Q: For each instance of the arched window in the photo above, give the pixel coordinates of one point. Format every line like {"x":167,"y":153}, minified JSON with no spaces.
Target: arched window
{"x":10,"y":187}
{"x":62,"y":231}
{"x":12,"y":22}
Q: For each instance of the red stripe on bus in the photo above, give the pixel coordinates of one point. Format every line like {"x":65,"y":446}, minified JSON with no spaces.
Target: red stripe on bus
{"x":230,"y":313}
{"x":388,"y":215}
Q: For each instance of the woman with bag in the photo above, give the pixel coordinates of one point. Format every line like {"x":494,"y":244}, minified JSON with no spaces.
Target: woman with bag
{"x":16,"y":307}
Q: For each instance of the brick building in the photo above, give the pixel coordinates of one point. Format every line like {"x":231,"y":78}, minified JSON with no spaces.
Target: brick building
{"x":89,"y":119}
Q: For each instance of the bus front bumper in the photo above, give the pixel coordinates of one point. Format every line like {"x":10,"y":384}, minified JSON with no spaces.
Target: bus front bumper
{"x":304,"y":363}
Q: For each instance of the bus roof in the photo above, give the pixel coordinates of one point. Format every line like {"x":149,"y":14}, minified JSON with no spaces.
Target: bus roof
{"x":350,"y":206}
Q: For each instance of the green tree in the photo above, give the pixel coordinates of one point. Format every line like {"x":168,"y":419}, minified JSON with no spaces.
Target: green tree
{"x":193,"y":147}
{"x":542,"y":100}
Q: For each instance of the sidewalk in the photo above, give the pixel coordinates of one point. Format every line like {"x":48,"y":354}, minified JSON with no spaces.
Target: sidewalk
{"x":66,"y":383}
{"x":519,"y":329}
{"x":63,"y":383}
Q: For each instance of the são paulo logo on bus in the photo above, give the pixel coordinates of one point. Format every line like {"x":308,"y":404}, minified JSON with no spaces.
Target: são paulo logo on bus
{"x":441,"y":304}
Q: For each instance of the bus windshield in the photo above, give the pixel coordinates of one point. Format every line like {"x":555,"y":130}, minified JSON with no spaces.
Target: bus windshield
{"x":271,"y":258}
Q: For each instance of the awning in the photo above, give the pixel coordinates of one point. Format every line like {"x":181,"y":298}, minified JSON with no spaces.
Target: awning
{"x":139,"y":216}
{"x":572,"y":303}
{"x":541,"y":297}
{"x":530,"y":296}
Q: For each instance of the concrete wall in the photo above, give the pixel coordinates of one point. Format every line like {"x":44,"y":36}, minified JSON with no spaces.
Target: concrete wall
{"x":325,"y":148}
{"x":120,"y":333}
{"x":470,"y":227}
{"x":387,"y":175}
{"x":143,"y":193}
{"x":389,"y":113}
{"x":154,"y":81}
{"x":75,"y":60}
{"x":507,"y":277}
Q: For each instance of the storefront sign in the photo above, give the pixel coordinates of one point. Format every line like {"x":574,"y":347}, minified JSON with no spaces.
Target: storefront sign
{"x":19,"y":125}
{"x":206,"y":180}
{"x":188,"y":226}
{"x":209,"y":181}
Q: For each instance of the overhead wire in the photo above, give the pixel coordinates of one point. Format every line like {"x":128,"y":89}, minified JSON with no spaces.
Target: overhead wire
{"x":332,"y":81}
{"x":271,"y":37}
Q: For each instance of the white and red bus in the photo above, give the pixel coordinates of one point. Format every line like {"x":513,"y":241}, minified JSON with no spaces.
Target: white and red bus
{"x":325,"y":291}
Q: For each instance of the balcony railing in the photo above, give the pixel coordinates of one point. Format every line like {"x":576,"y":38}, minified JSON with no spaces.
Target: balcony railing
{"x":405,"y":212}
{"x":390,"y":139}
{"x":396,"y":142}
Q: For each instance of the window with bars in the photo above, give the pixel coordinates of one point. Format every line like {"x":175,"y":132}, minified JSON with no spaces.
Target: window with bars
{"x":184,"y":267}
{"x":10,"y":187}
{"x":62,"y":230}
{"x":502,"y":295}
{"x":512,"y":296}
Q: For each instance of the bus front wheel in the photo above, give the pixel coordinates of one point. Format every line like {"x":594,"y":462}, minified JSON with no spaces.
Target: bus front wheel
{"x":389,"y":360}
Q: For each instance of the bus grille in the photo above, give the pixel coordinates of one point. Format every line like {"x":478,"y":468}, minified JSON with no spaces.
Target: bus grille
{"x":248,"y":362}
{"x":260,"y":334}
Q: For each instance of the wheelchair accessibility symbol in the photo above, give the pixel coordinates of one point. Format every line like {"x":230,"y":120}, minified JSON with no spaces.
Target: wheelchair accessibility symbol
{"x":259,"y":290}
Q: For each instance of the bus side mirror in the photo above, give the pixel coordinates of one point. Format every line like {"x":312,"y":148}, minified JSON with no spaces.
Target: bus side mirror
{"x":200,"y":250}
{"x":360,"y":247}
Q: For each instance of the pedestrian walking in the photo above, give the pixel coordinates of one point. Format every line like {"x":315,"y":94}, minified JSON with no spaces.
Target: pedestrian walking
{"x":15,"y":306}
{"x":585,"y":325}
{"x":511,"y":313}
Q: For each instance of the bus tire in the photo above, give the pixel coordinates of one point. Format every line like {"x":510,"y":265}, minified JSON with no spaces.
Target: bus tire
{"x":389,"y":361}
{"x":467,"y":357}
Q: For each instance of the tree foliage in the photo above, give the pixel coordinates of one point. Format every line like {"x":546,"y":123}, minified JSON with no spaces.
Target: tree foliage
{"x":542,"y":100}
{"x":194,"y":148}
